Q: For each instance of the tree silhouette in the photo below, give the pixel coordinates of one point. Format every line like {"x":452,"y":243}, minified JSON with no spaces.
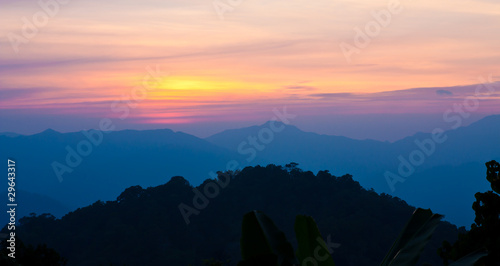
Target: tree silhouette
{"x":485,"y":232}
{"x":144,"y":226}
{"x":29,"y":255}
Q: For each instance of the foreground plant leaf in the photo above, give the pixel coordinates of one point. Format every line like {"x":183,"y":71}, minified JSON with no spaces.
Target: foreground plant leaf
{"x":471,"y":258}
{"x":312,"y":249}
{"x":411,"y":241}
{"x":260,"y":239}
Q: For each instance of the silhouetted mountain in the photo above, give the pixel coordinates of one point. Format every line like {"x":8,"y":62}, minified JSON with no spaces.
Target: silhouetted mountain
{"x":455,"y":166}
{"x":147,"y":158}
{"x":9,"y":134}
{"x":145,"y":226}
{"x":31,"y":202}
{"x":312,"y":151}
{"x":122,"y":159}
{"x":48,"y":132}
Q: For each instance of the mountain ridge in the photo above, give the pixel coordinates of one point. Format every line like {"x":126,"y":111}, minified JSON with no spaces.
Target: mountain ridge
{"x":339,"y":205}
{"x":147,"y":157}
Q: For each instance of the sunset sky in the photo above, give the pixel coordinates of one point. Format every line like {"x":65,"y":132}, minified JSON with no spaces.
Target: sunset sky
{"x":227,"y":71}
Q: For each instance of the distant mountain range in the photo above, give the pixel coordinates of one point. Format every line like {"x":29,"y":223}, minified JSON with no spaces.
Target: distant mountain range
{"x":122,"y":159}
{"x":9,"y":134}
{"x":445,"y":177}
{"x":446,"y":181}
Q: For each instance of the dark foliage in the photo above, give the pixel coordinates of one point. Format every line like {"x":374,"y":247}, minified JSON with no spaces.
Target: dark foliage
{"x":40,"y":255}
{"x":145,"y":226}
{"x":485,"y":232}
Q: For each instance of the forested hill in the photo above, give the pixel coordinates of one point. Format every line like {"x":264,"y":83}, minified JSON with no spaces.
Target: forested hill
{"x":145,"y":226}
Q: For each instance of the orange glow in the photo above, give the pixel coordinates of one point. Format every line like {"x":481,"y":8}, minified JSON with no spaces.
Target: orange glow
{"x":260,"y":57}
